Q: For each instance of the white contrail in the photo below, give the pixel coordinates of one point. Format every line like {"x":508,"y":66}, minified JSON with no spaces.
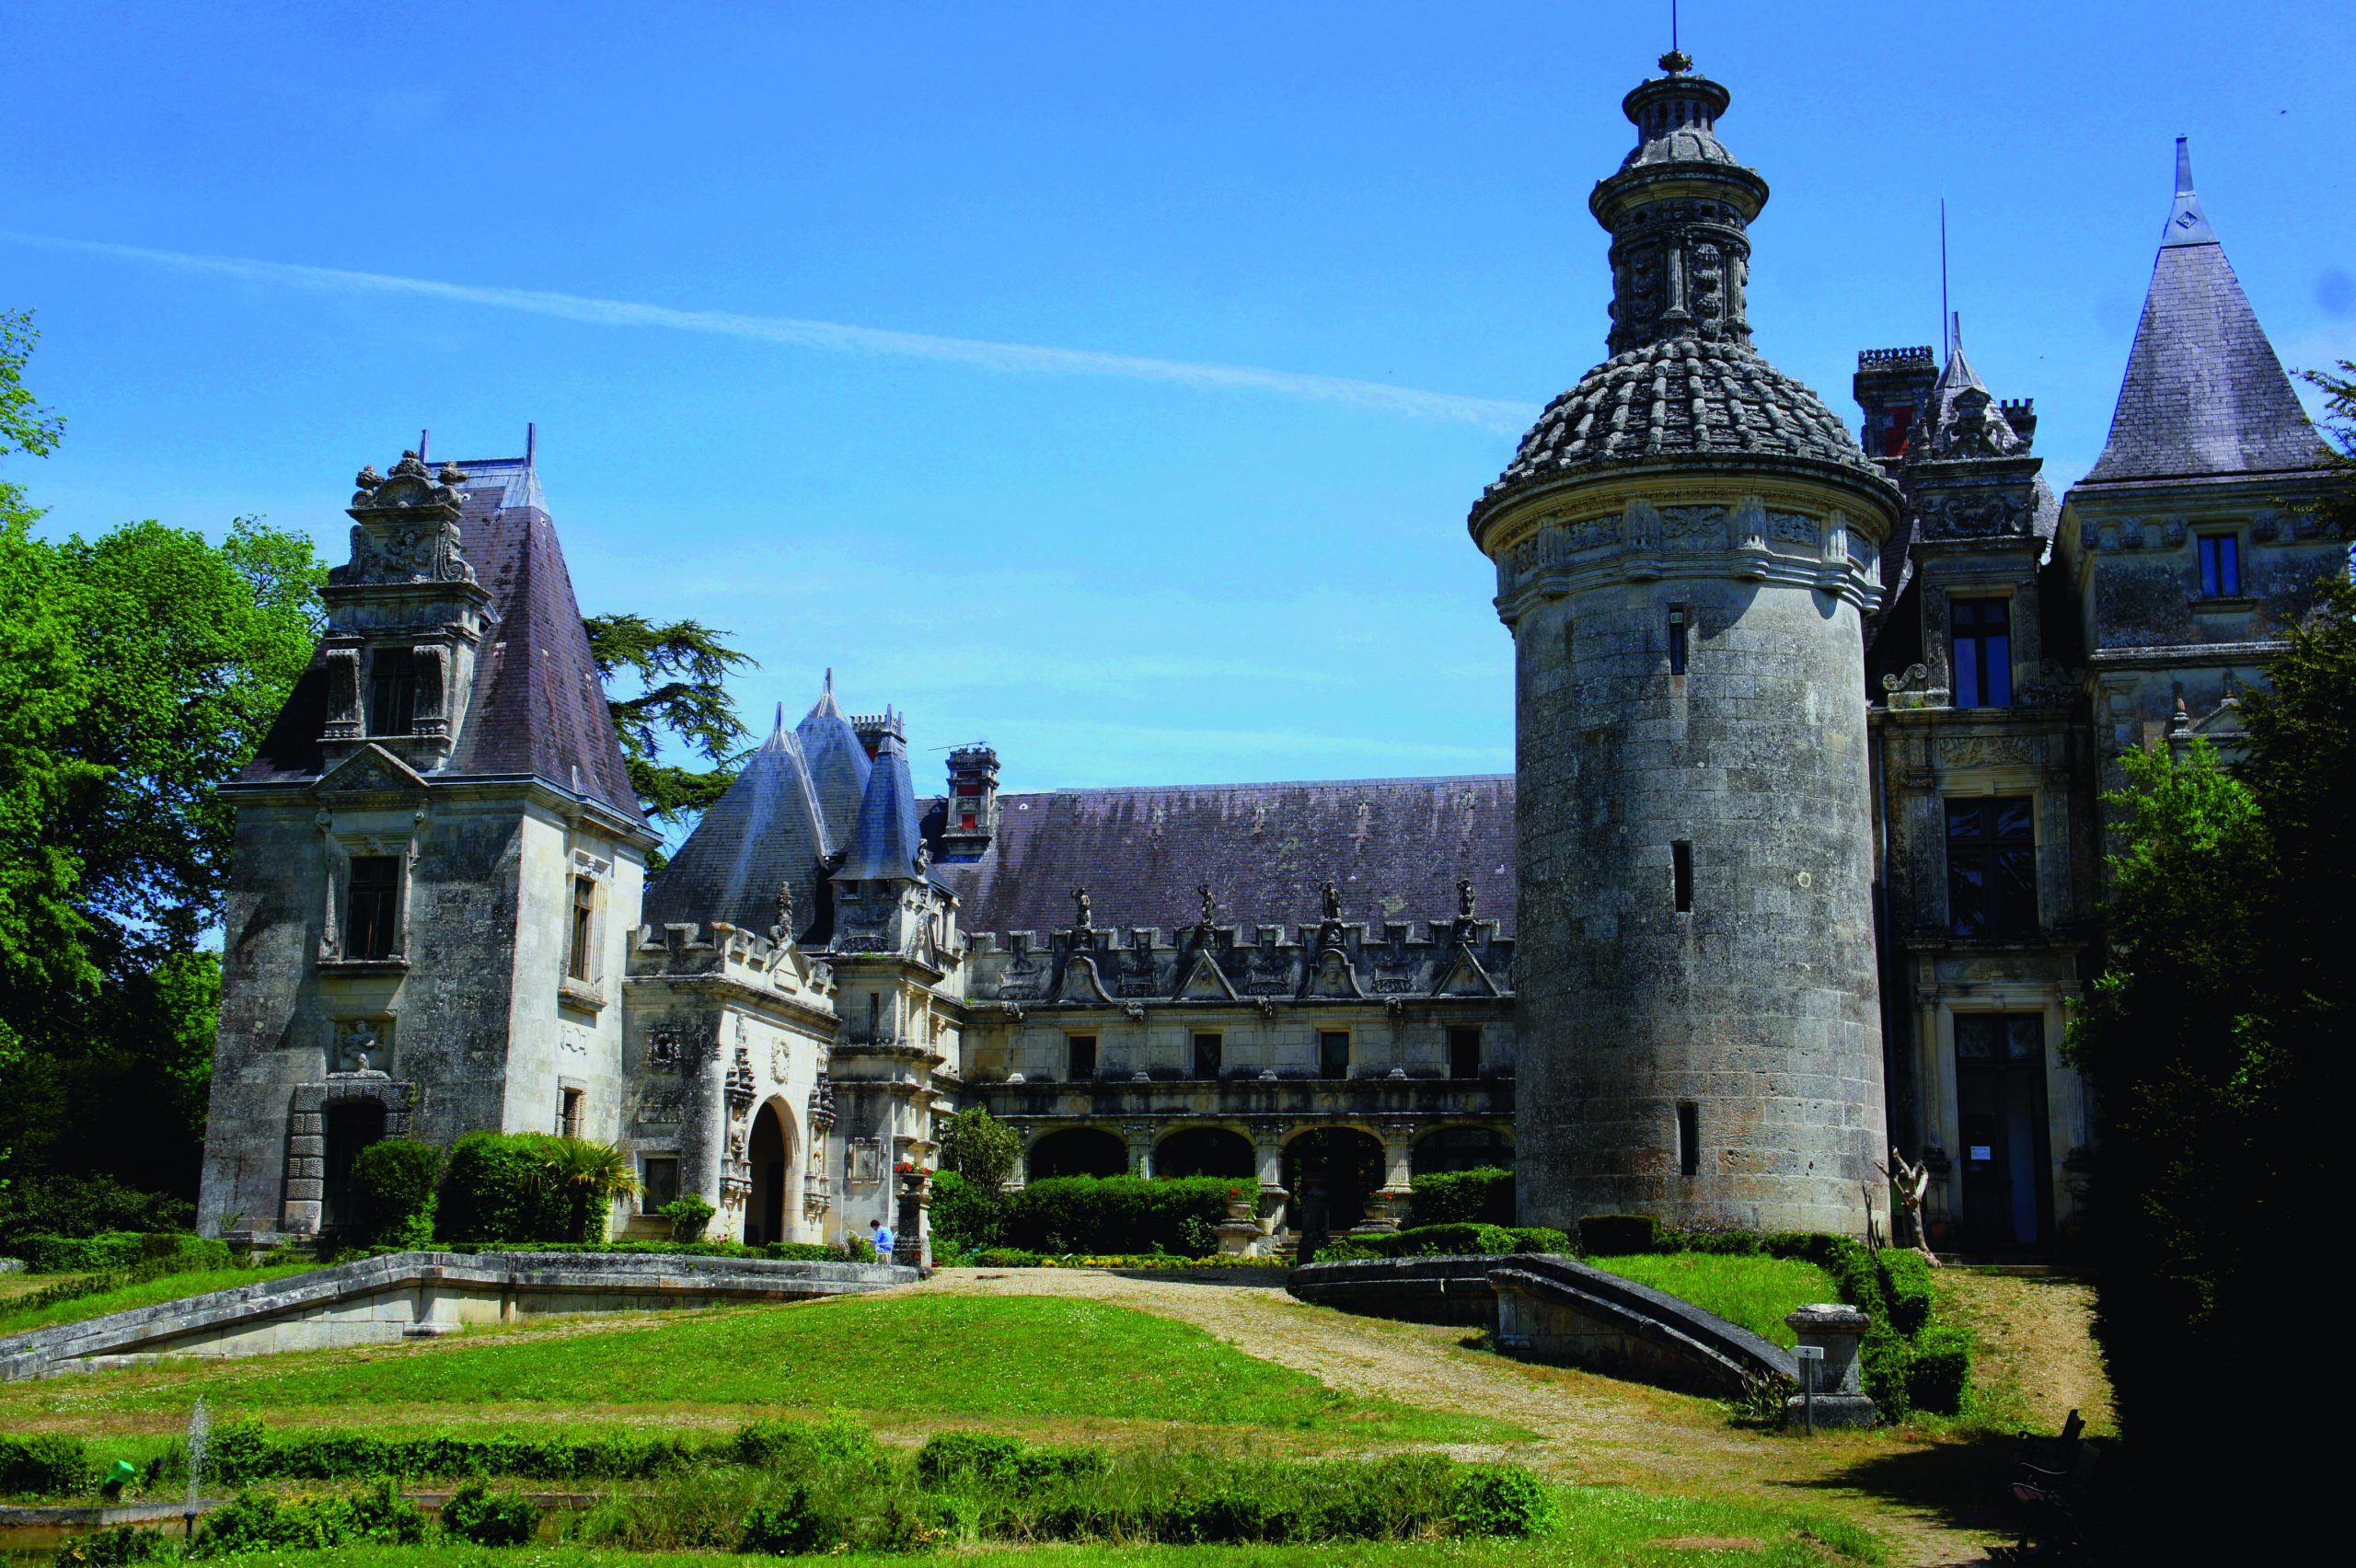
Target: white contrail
{"x":1488,"y":412}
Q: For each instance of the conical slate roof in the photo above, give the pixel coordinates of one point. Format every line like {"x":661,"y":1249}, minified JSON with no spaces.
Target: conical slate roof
{"x":837,"y":763}
{"x":2204,"y":395}
{"x":763,"y":834}
{"x":886,"y":840}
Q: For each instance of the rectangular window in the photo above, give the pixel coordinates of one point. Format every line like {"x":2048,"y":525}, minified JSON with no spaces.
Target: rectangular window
{"x":1332,"y":1053}
{"x":392,"y":691}
{"x":2221,"y":566}
{"x":372,"y":906}
{"x":658,"y":1182}
{"x":1207,"y":1052}
{"x":570,"y":1104}
{"x":1464,"y":1052}
{"x":1680,"y":867}
{"x":1689,"y":1139}
{"x":1677,"y":640}
{"x":585,"y":905}
{"x":1991,"y":867}
{"x":1981,"y":632}
{"x":1080,"y":1052}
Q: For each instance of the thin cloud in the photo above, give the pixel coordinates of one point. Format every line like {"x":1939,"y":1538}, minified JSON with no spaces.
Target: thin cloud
{"x":1507,"y":418}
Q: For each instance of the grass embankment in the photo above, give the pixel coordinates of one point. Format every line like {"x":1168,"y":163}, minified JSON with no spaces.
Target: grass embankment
{"x":945,"y":1358}
{"x":15,"y":1320}
{"x":1751,"y":1289}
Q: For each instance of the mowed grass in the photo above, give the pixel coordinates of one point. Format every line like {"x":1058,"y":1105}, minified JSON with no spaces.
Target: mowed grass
{"x":171,"y":1287}
{"x":1754,"y":1291}
{"x":953,"y":1358}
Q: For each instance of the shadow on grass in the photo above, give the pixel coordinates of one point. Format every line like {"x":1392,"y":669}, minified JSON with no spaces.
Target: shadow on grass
{"x":1962,"y":1483}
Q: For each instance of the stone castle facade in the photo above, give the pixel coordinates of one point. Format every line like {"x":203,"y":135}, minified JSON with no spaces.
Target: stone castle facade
{"x":1797,"y":862}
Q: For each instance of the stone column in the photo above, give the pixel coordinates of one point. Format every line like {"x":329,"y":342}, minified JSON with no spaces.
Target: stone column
{"x":1839,"y":1398}
{"x":1387,"y":1209}
{"x":1140,"y":1136}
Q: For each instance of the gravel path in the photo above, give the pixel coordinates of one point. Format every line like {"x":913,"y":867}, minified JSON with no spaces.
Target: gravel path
{"x":1590,"y":1429}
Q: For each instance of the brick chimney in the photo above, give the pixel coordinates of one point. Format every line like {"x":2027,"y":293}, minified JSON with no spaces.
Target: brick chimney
{"x":970,"y":820}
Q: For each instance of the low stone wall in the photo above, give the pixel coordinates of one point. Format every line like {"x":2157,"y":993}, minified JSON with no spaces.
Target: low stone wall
{"x":1556,"y":1310}
{"x":419,"y":1296}
{"x":1421,"y":1290}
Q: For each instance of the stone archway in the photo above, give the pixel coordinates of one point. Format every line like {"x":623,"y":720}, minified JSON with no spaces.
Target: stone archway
{"x":1331,"y":1173}
{"x":1204,"y":1151}
{"x":1076,"y":1151}
{"x":768,"y":1153}
{"x":1463,"y":1149}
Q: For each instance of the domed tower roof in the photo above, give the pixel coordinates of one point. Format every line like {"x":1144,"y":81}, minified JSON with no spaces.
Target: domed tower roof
{"x":1683,"y":385}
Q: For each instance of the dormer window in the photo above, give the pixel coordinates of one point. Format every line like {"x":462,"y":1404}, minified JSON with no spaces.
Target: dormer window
{"x":372,"y":906}
{"x":392,"y":691}
{"x":1981,"y":635}
{"x":2221,"y":566}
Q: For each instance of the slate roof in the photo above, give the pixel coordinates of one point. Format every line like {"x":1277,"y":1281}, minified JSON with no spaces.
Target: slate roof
{"x":885,"y":840}
{"x":2204,"y":395}
{"x":764,"y":833}
{"x":1680,"y":398}
{"x":1394,"y":847}
{"x":536,"y":706}
{"x":838,"y":762}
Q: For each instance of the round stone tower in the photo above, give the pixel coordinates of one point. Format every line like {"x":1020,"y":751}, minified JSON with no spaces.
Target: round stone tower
{"x":1685,"y":544}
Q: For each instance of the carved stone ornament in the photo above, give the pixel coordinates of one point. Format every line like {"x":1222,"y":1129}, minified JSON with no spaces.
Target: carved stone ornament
{"x":360,"y":1049}
{"x":1989,"y":750}
{"x":1974,"y":514}
{"x":404,"y":526}
{"x":665,"y":1044}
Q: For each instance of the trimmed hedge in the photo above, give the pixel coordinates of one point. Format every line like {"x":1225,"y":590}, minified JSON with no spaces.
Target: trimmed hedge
{"x":1448,"y":1240}
{"x":395,"y":1179}
{"x":493,"y":1191}
{"x":1891,"y":1288}
{"x":1120,"y":1214}
{"x":1463,"y":1197}
{"x":84,"y":1205}
{"x":118,"y":1249}
{"x":44,"y":1465}
{"x":258,"y":1521}
{"x":1018,"y":1258}
{"x":964,"y":1217}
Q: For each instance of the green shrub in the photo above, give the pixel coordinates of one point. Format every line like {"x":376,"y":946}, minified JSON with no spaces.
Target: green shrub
{"x":114,"y":1548}
{"x":1541,"y":1239}
{"x":394,"y":1178}
{"x":793,"y":1525}
{"x":840,"y":1443}
{"x":257,"y":1521}
{"x":964,"y":1217}
{"x":493,"y":1191}
{"x":46,"y":1466}
{"x":1463,"y":1197}
{"x":1118,"y":1215}
{"x":1425,"y":1241}
{"x":969,"y":1458}
{"x":1619,"y":1235}
{"x":119,"y":1249}
{"x":84,"y":1205}
{"x":1906,"y":1285}
{"x":476,"y":1513}
{"x":1938,"y":1370}
{"x":688,"y":1217}
{"x":1501,"y":1500}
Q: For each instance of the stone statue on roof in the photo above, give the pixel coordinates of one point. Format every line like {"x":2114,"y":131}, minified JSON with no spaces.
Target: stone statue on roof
{"x":1464,"y":898}
{"x":783,"y":930}
{"x":1333,"y":902}
{"x":1082,"y":915}
{"x":1210,"y":903}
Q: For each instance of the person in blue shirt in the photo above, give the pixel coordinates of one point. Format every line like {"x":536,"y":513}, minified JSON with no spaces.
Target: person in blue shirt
{"x":881,"y":1235}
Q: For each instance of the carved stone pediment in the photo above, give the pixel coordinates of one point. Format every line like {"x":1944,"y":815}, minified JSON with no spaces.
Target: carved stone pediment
{"x":1465,"y":977}
{"x":405,"y":528}
{"x":371,"y":770}
{"x":1206,"y":982}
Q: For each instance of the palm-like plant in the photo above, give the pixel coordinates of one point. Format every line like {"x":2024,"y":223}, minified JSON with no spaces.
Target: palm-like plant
{"x":590,"y":1175}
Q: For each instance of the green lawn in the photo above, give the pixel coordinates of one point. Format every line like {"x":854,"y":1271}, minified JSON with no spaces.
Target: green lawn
{"x":957,"y":1358}
{"x":1750,"y":1289}
{"x":171,"y":1287}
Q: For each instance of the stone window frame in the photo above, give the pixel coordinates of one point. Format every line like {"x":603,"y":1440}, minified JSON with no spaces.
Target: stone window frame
{"x":587,"y":992}
{"x":877,"y":1165}
{"x":1995,"y":784}
{"x":2239,"y":597}
{"x":340,"y":848}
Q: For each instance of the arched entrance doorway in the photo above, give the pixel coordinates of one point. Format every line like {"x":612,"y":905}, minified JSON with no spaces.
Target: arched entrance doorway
{"x":1330,"y":1172}
{"x":351,"y":1126}
{"x":1463,"y":1149}
{"x":1204,"y":1152}
{"x":767,"y":1153}
{"x":1078,"y":1151}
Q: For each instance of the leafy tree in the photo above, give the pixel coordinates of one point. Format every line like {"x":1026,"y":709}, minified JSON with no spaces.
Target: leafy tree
{"x":981,"y":1148}
{"x":681,"y":669}
{"x":588,"y":1176}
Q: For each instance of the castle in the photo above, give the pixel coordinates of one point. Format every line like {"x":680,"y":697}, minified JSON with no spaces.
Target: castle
{"x":1797,"y":862}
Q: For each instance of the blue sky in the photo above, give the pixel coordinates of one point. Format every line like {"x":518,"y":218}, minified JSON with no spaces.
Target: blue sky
{"x":1119,"y":572}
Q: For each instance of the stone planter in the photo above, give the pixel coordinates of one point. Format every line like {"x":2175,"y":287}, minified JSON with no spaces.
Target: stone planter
{"x":1837,"y":1397}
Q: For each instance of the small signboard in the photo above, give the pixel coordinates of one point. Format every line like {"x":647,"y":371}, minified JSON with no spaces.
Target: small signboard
{"x":1982,"y":1151}
{"x":1807,"y":1353}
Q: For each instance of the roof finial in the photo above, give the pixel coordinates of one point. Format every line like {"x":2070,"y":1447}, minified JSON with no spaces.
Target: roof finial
{"x":2184,"y":166}
{"x":2188,"y":225}
{"x":1955,"y":334}
{"x":1676,"y":62}
{"x":780,"y":716}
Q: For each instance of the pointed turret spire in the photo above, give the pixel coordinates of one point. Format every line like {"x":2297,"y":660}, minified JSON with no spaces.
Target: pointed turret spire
{"x":886,"y":843}
{"x":838,"y":764}
{"x":2204,"y":394}
{"x":2187,"y":224}
{"x":762,"y":835}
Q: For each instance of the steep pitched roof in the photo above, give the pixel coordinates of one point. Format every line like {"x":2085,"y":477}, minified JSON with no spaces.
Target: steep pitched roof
{"x":763,"y":834}
{"x":536,"y":705}
{"x":838,"y":764}
{"x":885,"y":840}
{"x":1395,"y":847}
{"x":2204,"y":394}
